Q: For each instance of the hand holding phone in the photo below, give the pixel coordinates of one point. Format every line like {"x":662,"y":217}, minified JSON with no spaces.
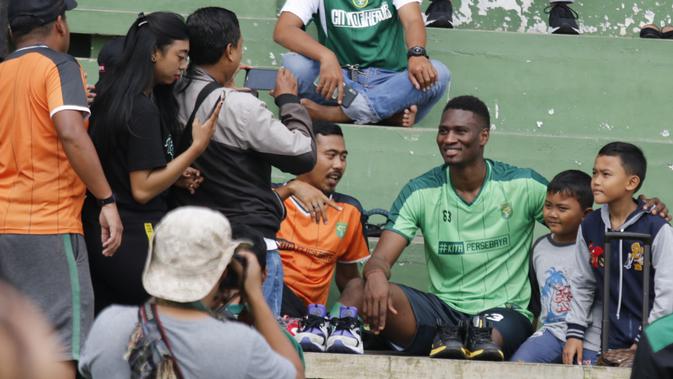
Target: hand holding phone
{"x":349,"y":93}
{"x":286,"y":83}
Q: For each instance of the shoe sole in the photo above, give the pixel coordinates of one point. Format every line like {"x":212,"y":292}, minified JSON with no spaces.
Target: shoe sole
{"x":443,"y":352}
{"x":442,"y":22}
{"x":565,"y":29}
{"x":310,"y":346}
{"x":341,"y":348}
{"x":486,"y":355}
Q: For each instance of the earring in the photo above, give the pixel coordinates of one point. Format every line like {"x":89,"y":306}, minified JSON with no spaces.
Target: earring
{"x":154,"y":59}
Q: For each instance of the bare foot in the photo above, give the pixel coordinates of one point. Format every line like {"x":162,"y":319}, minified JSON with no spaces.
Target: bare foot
{"x":409,"y":116}
{"x":405,"y":119}
{"x":331,"y":113}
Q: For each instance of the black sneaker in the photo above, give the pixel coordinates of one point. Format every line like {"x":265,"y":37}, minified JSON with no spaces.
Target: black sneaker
{"x":479,"y":341}
{"x":448,"y":342}
{"x":562,"y":18}
{"x":439,"y":14}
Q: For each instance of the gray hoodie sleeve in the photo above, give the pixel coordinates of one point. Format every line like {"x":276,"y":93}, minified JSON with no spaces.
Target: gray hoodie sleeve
{"x":583,"y":284}
{"x":662,"y":262}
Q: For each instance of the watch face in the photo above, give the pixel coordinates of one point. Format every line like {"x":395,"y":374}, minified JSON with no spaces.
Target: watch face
{"x":416,"y":51}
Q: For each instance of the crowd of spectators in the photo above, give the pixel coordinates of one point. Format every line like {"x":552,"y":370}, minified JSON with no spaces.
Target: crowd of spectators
{"x":147,"y":202}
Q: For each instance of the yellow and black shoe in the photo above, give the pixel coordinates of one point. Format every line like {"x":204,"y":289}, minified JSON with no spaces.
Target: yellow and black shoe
{"x":479,"y":343}
{"x":449,"y":343}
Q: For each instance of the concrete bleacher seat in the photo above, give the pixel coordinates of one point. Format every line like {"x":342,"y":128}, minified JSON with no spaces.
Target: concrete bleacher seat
{"x":554,"y":100}
{"x":328,"y":366}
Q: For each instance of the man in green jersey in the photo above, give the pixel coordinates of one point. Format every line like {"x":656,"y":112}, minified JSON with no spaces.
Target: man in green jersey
{"x":375,"y":47}
{"x":477,"y":218}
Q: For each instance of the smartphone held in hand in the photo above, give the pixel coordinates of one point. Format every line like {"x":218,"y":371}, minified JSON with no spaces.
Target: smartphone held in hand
{"x":261,"y":78}
{"x":349,"y":93}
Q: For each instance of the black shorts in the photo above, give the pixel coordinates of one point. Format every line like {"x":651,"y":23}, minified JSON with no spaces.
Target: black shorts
{"x":429,"y":309}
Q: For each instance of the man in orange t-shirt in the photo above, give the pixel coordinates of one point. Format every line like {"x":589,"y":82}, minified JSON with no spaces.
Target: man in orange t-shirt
{"x":322,"y":235}
{"x":46,"y":162}
{"x":313,"y":251}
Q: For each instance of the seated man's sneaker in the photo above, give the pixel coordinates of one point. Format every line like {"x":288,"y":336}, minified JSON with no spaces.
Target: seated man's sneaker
{"x":479,"y":341}
{"x":346,"y":334}
{"x":314,"y":329}
{"x":439,"y":14}
{"x":562,"y":18}
{"x":449,"y":341}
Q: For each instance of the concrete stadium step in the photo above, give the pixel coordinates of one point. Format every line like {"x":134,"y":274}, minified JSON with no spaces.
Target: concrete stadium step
{"x":596,"y":17}
{"x":332,"y":366}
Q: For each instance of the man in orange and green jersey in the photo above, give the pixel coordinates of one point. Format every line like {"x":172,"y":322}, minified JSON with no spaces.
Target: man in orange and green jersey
{"x":321,"y":237}
{"x":477,"y":218}
{"x":46,"y":162}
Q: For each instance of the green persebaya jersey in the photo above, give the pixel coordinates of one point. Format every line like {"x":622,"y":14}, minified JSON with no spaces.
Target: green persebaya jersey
{"x":364,"y":33}
{"x":476,"y":254}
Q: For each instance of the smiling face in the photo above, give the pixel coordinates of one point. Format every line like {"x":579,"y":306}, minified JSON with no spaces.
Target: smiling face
{"x":610,"y":181}
{"x":461,"y":137}
{"x":330,"y":165}
{"x":563,"y":215}
{"x":171,"y":62}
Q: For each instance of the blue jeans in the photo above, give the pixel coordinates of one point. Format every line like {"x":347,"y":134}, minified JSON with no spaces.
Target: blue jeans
{"x":543,"y":347}
{"x":273,"y":284}
{"x":381,"y":93}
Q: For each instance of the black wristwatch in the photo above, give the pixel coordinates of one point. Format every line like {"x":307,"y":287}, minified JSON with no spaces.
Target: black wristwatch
{"x":417,"y":51}
{"x":106,"y":201}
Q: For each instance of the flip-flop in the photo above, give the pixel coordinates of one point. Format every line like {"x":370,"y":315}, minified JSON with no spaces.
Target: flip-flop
{"x":650,"y":31}
{"x":667,"y":32}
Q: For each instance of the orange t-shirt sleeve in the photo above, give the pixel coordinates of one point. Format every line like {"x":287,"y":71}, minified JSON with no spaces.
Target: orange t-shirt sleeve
{"x":358,"y":249}
{"x":65,"y":88}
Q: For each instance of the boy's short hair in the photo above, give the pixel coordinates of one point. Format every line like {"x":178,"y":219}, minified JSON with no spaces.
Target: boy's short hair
{"x":633,"y":159}
{"x":471,"y":104}
{"x":573,"y":183}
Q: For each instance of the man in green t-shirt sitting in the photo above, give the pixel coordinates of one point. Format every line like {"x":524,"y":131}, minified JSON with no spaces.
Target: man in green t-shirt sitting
{"x":477,"y":218}
{"x":375,"y":47}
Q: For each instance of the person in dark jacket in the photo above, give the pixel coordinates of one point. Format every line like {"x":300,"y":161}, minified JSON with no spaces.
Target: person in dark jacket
{"x":248,"y":139}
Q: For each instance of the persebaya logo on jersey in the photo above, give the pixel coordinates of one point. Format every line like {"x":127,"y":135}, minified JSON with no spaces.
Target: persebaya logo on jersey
{"x":360,"y":3}
{"x":341,"y":228}
{"x":506,"y":210}
{"x":360,"y":19}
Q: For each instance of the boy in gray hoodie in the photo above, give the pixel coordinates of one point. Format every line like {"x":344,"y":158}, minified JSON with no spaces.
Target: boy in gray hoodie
{"x":568,"y":200}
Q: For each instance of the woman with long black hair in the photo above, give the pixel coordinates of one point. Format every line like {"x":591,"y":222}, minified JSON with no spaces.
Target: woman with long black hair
{"x":133,"y":126}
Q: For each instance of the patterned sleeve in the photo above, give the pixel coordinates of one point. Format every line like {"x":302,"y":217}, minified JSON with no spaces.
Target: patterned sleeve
{"x":65,"y":88}
{"x":405,"y":213}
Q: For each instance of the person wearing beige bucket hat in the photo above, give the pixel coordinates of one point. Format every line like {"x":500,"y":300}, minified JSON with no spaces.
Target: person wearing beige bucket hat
{"x":177,"y":334}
